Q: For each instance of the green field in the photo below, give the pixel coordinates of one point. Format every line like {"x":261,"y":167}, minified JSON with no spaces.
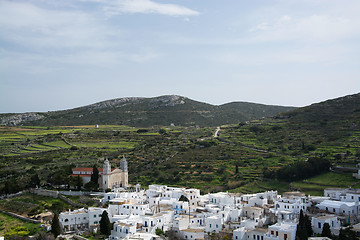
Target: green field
{"x":13,"y":226}
{"x":316,"y":185}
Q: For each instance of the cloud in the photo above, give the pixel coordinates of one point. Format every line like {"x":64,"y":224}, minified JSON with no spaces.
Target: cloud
{"x":315,"y":27}
{"x":143,"y":6}
{"x":30,"y":25}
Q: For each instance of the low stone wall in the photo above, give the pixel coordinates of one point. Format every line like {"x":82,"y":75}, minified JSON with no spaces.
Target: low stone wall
{"x":11,"y":195}
{"x":74,"y":193}
{"x":44,"y":192}
{"x":72,"y":203}
{"x":21,"y":217}
{"x":79,"y":237}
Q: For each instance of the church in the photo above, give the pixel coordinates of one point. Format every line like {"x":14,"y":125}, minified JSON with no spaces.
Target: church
{"x":108,"y":177}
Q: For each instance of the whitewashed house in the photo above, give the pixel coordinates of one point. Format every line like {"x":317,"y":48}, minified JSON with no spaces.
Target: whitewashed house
{"x":213,"y":224}
{"x":192,"y":233}
{"x":319,"y":221}
{"x":339,"y":207}
{"x":80,"y":219}
{"x":122,"y":230}
{"x":292,"y":203}
{"x":334,"y":193}
{"x":281,"y":231}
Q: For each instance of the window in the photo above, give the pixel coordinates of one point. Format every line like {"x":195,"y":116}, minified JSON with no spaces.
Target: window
{"x":285,"y":237}
{"x":319,"y":225}
{"x":94,"y":215}
{"x":217,"y":226}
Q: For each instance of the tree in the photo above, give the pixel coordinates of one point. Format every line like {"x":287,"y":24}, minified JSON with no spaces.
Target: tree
{"x":78,"y":182}
{"x":95,"y":176}
{"x":105,"y":225}
{"x":159,"y":232}
{"x":35,"y":180}
{"x":347,"y":234}
{"x":308,"y":226}
{"x":91,"y":186}
{"x":183,"y":198}
{"x":326,"y":231}
{"x":301,"y":232}
{"x":55,"y":225}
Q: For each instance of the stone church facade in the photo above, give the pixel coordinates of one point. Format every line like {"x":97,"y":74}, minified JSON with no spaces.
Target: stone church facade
{"x":108,"y":177}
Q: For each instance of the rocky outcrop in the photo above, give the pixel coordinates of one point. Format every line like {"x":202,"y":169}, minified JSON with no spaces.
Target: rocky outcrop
{"x":17,"y":119}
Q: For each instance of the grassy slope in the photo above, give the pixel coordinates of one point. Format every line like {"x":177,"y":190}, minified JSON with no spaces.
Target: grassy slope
{"x":190,"y":156}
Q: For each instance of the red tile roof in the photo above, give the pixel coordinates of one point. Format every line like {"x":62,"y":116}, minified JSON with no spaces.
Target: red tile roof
{"x":87,"y":169}
{"x":81,"y":175}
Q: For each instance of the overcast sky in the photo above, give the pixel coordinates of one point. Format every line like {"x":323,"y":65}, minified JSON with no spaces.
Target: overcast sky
{"x":63,"y":54}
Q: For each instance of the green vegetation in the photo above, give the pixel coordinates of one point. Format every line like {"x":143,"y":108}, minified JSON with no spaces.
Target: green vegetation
{"x":10,"y":226}
{"x":239,"y":159}
{"x":148,"y":112}
{"x":30,"y":205}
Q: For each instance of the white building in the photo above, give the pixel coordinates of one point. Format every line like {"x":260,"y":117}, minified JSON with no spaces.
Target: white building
{"x":334,"y":193}
{"x":192,"y":233}
{"x":80,"y":219}
{"x":281,"y":231}
{"x":293,"y":201}
{"x":213,"y":224}
{"x":319,"y":221}
{"x":122,"y":230}
{"x":244,"y":233}
{"x":338,"y":207}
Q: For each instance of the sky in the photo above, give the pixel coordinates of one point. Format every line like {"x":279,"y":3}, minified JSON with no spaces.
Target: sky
{"x":57,"y":55}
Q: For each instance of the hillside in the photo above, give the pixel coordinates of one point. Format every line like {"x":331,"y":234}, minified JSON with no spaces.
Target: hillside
{"x":245,"y":157}
{"x":146,"y":112}
{"x":339,"y":109}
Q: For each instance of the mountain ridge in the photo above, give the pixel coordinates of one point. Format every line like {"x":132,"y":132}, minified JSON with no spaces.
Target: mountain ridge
{"x":141,"y":111}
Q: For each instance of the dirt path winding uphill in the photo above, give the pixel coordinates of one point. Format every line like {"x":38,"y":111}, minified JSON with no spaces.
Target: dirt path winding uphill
{"x":216,"y":132}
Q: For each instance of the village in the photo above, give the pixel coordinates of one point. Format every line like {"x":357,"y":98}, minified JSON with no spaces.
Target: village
{"x":181,"y":213}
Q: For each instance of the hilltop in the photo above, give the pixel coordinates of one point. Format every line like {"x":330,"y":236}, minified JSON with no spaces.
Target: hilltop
{"x":146,"y":112}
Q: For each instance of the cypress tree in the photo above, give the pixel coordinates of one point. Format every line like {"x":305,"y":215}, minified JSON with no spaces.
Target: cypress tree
{"x":105,"y":225}
{"x":308,"y":226}
{"x":55,"y":225}
{"x":95,"y":176}
{"x":35,"y":180}
{"x":301,"y":232}
{"x":78,"y":182}
{"x":326,"y":231}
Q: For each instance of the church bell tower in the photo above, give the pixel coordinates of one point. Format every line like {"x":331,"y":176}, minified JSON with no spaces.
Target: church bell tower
{"x":106,"y":174}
